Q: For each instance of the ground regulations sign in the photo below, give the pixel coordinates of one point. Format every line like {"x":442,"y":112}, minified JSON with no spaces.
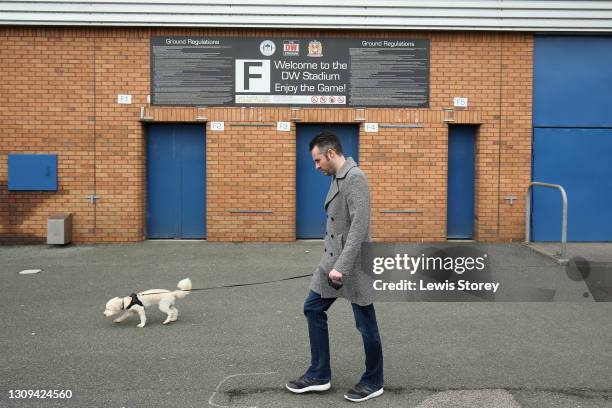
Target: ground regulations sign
{"x":268,"y":71}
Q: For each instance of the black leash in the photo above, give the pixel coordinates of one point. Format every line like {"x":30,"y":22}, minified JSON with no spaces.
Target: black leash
{"x":250,"y":284}
{"x":232,"y":286}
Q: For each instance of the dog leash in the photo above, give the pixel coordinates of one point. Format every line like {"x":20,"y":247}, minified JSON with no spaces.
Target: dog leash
{"x":233,"y":286}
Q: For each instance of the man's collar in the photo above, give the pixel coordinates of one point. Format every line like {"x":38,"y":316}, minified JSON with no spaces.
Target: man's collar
{"x":348,"y":164}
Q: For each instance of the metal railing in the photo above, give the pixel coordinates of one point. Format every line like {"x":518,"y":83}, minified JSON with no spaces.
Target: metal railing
{"x":564,"y":218}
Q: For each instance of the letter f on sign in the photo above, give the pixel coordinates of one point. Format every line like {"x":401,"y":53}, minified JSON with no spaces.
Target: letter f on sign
{"x":253,"y":76}
{"x":248,"y":74}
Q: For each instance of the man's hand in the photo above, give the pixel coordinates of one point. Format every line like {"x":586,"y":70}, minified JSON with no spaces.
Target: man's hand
{"x":335,"y":275}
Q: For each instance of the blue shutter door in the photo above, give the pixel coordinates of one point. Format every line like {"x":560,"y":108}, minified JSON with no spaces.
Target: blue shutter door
{"x":176,"y":181}
{"x":572,"y":137}
{"x":461,"y":170}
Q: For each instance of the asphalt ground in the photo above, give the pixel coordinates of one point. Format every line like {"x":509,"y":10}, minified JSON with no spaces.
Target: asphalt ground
{"x":592,"y":251}
{"x":237,"y":347}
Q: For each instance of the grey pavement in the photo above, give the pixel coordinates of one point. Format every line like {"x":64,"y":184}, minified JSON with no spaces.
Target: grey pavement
{"x":592,"y":251}
{"x":237,"y":347}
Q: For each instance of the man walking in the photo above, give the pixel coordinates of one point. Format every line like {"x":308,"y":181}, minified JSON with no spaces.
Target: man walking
{"x":339,"y":273}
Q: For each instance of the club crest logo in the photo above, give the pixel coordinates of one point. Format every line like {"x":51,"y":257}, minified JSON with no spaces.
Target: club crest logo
{"x":315,"y":49}
{"x":267,"y":48}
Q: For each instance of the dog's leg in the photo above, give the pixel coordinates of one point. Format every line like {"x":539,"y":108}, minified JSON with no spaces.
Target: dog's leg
{"x":174,"y":313}
{"x":164,"y":307}
{"x":143,"y":317}
{"x":124,"y":316}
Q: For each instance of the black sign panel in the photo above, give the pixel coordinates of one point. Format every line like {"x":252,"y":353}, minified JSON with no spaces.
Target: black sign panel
{"x":225,"y":71}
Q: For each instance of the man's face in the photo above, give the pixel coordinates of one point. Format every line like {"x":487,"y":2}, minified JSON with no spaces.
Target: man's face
{"x":321,"y":161}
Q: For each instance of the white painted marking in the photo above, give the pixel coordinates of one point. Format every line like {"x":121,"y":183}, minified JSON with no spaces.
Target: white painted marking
{"x":30,"y":271}
{"x":210,"y":400}
{"x":471,"y":398}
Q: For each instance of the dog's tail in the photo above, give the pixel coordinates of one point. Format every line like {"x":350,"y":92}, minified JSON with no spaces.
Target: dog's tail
{"x":184,"y":288}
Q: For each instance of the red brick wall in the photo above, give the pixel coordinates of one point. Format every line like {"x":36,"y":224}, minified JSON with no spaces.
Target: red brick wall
{"x":250,"y":169}
{"x":49,"y":104}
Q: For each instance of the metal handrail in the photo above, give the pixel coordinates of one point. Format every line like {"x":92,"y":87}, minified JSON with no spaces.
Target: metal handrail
{"x":564,"y":219}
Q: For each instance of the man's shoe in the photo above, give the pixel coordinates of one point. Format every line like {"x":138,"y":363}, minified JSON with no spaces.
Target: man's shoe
{"x":363,"y":392}
{"x":306,"y":384}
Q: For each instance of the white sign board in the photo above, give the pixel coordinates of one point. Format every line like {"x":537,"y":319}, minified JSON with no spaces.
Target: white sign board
{"x":460,"y":102}
{"x":283,"y":126}
{"x":218,"y":126}
{"x":124,"y":99}
{"x":371,"y":127}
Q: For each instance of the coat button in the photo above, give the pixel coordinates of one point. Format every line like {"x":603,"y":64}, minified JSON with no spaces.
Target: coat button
{"x":331,"y":254}
{"x":332,"y":235}
{"x":325,"y":250}
{"x":332,"y":218}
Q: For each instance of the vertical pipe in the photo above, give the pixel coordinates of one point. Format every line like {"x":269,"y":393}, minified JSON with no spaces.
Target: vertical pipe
{"x":95,"y":131}
{"x":499,"y":130}
{"x":528,"y":215}
{"x":564,"y":224}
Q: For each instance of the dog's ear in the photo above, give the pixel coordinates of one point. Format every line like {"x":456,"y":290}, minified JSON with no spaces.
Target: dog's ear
{"x":113,"y":303}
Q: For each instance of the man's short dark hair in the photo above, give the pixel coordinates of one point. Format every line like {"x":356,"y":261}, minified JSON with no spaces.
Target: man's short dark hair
{"x":326,"y":140}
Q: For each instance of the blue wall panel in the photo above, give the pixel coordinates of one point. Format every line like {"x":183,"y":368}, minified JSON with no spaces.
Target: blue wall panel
{"x":311,"y":184}
{"x":32,"y":172}
{"x":572,"y":81}
{"x":579,"y":160}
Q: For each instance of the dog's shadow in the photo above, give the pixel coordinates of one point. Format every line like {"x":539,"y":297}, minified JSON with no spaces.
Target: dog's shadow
{"x":153,"y":320}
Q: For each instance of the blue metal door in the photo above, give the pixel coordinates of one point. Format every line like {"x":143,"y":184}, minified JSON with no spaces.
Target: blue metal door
{"x":176,"y":181}
{"x":579,"y":160}
{"x":311,"y":184}
{"x":461,"y":168}
{"x":572,"y":136}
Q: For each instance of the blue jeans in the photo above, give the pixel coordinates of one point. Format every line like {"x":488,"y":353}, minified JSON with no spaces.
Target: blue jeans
{"x":365,"y":318}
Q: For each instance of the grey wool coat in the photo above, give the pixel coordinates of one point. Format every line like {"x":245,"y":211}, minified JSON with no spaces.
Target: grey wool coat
{"x":348,"y":225}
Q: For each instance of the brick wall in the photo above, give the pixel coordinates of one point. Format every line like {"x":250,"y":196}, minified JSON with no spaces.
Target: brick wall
{"x":58,"y":90}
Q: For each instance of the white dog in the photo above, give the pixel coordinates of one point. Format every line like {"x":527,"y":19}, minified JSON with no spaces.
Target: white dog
{"x":136,"y":303}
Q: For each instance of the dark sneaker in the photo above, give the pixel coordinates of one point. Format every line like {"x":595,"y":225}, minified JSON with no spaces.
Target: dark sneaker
{"x":362,"y":392}
{"x":306,"y":384}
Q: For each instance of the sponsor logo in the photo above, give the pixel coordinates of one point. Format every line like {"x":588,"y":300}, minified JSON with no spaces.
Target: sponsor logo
{"x":315,"y":49}
{"x":291,"y":48}
{"x":267,"y":48}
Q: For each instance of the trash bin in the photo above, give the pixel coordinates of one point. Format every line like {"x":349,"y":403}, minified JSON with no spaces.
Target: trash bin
{"x":59,"y":229}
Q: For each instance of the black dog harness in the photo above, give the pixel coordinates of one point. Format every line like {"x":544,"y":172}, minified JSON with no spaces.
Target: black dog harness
{"x":134,"y":301}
